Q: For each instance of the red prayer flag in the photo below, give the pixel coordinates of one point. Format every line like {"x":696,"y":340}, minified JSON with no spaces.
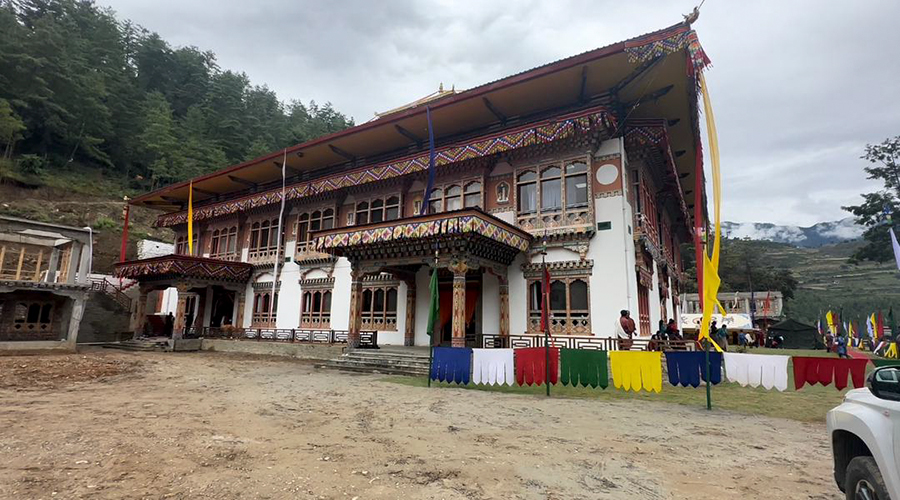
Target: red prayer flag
{"x":531,"y":365}
{"x":545,"y":300}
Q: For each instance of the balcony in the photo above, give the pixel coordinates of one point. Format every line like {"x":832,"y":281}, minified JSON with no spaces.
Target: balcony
{"x":184,"y":266}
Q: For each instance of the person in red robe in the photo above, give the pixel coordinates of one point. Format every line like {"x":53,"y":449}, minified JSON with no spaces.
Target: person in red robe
{"x":626,"y":330}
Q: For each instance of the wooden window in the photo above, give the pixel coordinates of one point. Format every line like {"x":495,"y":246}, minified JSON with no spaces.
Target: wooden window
{"x":378,"y":210}
{"x":452,"y":197}
{"x":472,"y":197}
{"x":379,"y":308}
{"x":316,"y":309}
{"x":265,"y":309}
{"x":181,"y":246}
{"x":646,"y":215}
{"x":33,"y":317}
{"x":224,"y":244}
{"x":310,"y":222}
{"x":264,"y":240}
{"x":569,"y":306}
{"x":554,"y":196}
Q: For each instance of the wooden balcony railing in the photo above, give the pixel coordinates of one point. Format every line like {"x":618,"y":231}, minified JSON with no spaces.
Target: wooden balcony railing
{"x":367,"y":338}
{"x":494,"y":341}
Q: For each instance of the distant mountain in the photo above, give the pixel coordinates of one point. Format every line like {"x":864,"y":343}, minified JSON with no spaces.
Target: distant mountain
{"x":823,"y":233}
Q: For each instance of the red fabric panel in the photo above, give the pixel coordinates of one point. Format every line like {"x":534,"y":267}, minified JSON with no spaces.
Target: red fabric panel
{"x":825,"y":370}
{"x":530,"y":365}
{"x":858,"y":371}
{"x":841,"y":370}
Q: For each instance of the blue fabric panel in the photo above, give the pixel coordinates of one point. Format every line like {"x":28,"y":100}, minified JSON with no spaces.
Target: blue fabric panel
{"x":688,"y":368}
{"x":452,"y":364}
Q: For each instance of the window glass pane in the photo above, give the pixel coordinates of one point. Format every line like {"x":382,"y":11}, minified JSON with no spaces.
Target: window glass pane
{"x":435,"y":206}
{"x":551,"y":194}
{"x":303,"y":232}
{"x":264,"y":237}
{"x":377,"y":203}
{"x":275,"y":303}
{"x":578,"y":295}
{"x":574,"y":168}
{"x":392,"y":300}
{"x":393,"y":200}
{"x":265,"y":303}
{"x":527,"y":176}
{"x":391,"y":213}
{"x":534,"y":296}
{"x":307,"y":302}
{"x":326,"y":302}
{"x":576,"y":190}
{"x":232,"y":243}
{"x":473,"y":200}
{"x":378,"y":305}
{"x":362,"y":206}
{"x":317,"y":302}
{"x":367,"y":301}
{"x":377,"y":214}
{"x":527,"y":197}
{"x":454,"y":191}
{"x":314,"y":225}
{"x":454,"y":203}
{"x":328,"y":223}
{"x":550,"y":172}
{"x":557,"y":296}
{"x":473,"y":187}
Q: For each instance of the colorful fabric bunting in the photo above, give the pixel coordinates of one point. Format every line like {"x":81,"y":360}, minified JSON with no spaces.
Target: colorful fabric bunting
{"x":531,"y":365}
{"x":636,"y":370}
{"x":493,"y":366}
{"x":585,"y":367}
{"x":757,"y":370}
{"x":823,"y":371}
{"x":689,"y":368}
{"x":451,"y":364}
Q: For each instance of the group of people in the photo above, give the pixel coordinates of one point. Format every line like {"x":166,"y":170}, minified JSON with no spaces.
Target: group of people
{"x":625,"y":329}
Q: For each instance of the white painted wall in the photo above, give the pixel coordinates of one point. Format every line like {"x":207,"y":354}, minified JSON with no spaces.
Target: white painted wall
{"x":518,"y":297}
{"x":655,"y":310}
{"x":340,"y":297}
{"x":423,"y":298}
{"x":490,"y":304}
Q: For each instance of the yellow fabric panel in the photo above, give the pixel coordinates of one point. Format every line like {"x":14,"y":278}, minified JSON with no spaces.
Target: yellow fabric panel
{"x":636,"y":370}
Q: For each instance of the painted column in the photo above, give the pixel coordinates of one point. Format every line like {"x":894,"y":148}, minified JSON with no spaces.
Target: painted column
{"x":180,"y":311}
{"x":238,"y":319}
{"x":140,"y":313}
{"x":75,"y":321}
{"x":504,"y":305}
{"x":355,"y":324}
{"x":409,"y":336}
{"x":459,"y":304}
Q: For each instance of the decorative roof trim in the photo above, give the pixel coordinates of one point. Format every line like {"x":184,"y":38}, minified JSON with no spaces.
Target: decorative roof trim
{"x":185,"y":266}
{"x":542,"y":132}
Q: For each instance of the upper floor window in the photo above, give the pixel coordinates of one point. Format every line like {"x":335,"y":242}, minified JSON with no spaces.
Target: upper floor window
{"x":455,"y":197}
{"x":223,"y":244}
{"x":308,"y":223}
{"x":378,"y":210}
{"x":264,"y":238}
{"x":181,"y":245}
{"x":553,"y":189}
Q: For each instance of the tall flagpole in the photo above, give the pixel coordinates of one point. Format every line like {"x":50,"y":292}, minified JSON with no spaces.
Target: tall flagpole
{"x":278,"y":235}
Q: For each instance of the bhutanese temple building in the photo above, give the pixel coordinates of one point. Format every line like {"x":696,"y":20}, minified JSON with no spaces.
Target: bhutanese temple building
{"x":588,"y":164}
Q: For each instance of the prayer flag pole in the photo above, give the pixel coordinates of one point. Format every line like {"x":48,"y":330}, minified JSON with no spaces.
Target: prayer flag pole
{"x":708,"y":384}
{"x":433,"y":316}
{"x":545,"y":316}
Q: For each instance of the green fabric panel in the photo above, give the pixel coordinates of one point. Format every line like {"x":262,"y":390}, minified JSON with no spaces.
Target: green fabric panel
{"x":585,"y":367}
{"x":886,"y":362}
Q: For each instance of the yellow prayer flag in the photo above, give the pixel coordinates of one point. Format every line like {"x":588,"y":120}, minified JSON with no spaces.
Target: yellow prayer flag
{"x":190,"y":218}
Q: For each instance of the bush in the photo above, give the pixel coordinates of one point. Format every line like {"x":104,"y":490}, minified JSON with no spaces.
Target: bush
{"x":104,"y":222}
{"x":31,"y":164}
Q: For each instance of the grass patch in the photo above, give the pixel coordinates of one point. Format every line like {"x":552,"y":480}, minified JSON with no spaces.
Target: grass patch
{"x":809,"y":404}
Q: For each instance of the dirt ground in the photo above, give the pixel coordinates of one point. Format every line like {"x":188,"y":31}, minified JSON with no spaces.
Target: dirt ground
{"x":191,"y":425}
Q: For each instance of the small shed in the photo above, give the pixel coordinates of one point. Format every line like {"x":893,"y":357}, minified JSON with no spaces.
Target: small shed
{"x":797,"y":335}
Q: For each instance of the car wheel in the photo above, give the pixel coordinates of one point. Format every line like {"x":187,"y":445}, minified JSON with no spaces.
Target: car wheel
{"x":863,"y":480}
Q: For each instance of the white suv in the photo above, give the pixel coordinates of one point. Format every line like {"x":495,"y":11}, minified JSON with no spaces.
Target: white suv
{"x":865,"y":438}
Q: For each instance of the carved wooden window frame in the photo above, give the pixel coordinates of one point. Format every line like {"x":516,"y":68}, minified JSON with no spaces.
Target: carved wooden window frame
{"x":320,"y":219}
{"x":384,"y":319}
{"x":528,"y":218}
{"x":365,"y":210}
{"x":567,"y":321}
{"x":264,"y":251}
{"x":230,"y":250}
{"x":439,"y":197}
{"x":265,"y":309}
{"x":315,"y":308}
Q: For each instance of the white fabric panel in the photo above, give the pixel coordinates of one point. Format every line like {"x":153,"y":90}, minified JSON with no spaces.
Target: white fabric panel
{"x":493,"y":366}
{"x":757,"y":369}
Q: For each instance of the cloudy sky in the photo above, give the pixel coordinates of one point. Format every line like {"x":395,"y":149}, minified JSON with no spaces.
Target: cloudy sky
{"x":798,"y":87}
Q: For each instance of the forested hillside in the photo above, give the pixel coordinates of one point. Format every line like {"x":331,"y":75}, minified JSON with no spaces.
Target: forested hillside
{"x":81,"y":89}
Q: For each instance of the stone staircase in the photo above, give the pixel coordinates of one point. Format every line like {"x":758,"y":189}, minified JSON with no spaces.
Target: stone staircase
{"x":393,"y":361}
{"x":144,"y":345}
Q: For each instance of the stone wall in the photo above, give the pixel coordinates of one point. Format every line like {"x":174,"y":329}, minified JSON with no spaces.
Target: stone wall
{"x":301,"y":351}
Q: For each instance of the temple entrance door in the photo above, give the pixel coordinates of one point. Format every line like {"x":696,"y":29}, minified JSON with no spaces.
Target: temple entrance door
{"x":472,"y":304}
{"x":222,"y":307}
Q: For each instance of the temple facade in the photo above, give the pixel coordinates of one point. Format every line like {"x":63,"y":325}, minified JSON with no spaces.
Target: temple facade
{"x":588,"y":165}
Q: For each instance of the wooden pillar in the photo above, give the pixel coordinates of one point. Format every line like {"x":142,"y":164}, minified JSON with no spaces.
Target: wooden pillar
{"x":140,"y":312}
{"x":355,"y":324}
{"x":19,"y":266}
{"x":458,"y":323}
{"x":53,"y":266}
{"x":239,"y":313}
{"x":409,"y":336}
{"x":72,"y":265}
{"x":504,"y":306}
{"x":180,"y":311}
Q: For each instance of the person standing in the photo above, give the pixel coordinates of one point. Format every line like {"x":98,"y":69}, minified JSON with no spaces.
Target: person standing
{"x":625,"y":330}
{"x":722,"y":337}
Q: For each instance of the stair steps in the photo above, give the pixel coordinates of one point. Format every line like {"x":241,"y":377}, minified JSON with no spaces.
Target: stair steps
{"x":138,"y":345}
{"x":390,"y":362}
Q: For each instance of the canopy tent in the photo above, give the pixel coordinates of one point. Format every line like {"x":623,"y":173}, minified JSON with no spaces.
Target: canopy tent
{"x":797,"y":335}
{"x":736,"y":322}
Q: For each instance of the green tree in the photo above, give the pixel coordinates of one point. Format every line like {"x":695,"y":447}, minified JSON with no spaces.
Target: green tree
{"x":158,"y":140}
{"x":11,"y":128}
{"x":742,"y":266}
{"x":879,"y":208}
